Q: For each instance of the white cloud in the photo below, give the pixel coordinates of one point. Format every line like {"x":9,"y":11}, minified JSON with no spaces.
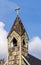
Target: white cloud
{"x":3,"y":40}
{"x":35,"y":47}
{"x":2,"y":25}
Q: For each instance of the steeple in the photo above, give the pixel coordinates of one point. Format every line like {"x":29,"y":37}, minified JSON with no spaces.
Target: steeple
{"x":17,"y":43}
{"x":17,"y":26}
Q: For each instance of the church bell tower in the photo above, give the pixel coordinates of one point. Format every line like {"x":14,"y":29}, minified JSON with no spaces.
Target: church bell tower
{"x":17,"y":43}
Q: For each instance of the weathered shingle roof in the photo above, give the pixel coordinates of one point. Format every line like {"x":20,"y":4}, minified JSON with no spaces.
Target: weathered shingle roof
{"x":17,"y":26}
{"x":33,"y":60}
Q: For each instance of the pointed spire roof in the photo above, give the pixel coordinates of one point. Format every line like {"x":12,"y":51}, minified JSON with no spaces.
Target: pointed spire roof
{"x":17,"y":26}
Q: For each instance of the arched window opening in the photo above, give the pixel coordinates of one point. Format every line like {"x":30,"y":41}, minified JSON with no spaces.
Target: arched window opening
{"x":23,"y":42}
{"x":14,"y":42}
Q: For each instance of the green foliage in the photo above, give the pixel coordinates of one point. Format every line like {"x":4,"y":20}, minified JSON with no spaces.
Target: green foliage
{"x":23,"y":63}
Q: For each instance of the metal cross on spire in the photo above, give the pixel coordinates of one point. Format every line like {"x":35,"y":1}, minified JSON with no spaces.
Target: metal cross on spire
{"x":17,"y":10}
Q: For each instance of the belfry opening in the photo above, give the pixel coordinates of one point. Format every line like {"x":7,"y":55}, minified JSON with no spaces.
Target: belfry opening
{"x":14,"y":42}
{"x":23,"y":42}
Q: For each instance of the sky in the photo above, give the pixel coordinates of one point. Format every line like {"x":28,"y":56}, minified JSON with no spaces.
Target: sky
{"x":30,"y":14}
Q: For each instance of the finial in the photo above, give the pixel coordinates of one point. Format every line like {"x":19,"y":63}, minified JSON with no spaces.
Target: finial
{"x":17,"y":10}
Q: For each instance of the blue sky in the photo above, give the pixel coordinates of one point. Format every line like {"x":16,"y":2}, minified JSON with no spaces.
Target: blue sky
{"x":30,"y":14}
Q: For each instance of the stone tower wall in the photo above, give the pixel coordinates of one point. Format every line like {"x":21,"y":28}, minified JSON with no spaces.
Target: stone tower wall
{"x":12,"y":54}
{"x":25,"y":47}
